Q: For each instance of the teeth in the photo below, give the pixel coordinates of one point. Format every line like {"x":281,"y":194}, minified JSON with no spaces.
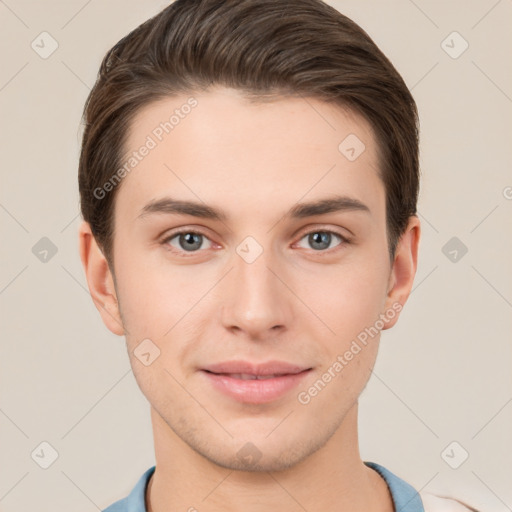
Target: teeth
{"x":247,"y":376}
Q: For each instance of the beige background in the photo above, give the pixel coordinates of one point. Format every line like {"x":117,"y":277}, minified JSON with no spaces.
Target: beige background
{"x":443,"y":374}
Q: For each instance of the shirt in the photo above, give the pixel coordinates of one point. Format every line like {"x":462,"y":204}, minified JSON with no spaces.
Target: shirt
{"x":405,"y":498}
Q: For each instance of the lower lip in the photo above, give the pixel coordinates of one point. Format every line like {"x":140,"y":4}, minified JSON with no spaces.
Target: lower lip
{"x":255,"y":391}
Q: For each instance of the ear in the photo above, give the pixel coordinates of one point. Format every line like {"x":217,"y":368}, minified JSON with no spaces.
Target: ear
{"x":99,"y":280}
{"x":402,"y":272}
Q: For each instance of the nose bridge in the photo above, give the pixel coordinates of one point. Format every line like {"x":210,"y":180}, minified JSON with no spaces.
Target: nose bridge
{"x":256,"y":300}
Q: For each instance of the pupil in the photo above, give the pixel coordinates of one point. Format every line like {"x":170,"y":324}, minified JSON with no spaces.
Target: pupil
{"x":321,"y":238}
{"x":192,"y":240}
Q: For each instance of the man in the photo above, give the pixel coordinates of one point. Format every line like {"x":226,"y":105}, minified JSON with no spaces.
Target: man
{"x":248,"y":179}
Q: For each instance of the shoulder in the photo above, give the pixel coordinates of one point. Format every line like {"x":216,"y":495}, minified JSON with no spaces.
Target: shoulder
{"x":433,"y":503}
{"x":118,"y":506}
{"x":136,"y":500}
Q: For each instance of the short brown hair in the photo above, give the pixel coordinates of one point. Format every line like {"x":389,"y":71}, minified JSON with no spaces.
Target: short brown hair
{"x":266,"y":49}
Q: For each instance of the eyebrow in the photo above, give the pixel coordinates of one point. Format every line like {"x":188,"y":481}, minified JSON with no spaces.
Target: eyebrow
{"x":168,"y":205}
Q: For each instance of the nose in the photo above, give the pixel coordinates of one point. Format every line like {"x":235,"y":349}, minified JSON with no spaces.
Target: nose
{"x":256,"y":300}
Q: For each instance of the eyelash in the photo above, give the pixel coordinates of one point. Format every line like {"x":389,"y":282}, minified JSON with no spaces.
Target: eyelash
{"x":343,"y":241}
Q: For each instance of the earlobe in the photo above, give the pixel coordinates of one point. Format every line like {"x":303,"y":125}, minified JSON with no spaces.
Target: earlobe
{"x":403,"y":271}
{"x":100,"y":280}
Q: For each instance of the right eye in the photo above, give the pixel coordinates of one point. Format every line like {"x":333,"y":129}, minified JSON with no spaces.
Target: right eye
{"x":186,"y":241}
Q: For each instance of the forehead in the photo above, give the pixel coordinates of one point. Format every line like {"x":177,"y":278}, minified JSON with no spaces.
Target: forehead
{"x":217,"y":146}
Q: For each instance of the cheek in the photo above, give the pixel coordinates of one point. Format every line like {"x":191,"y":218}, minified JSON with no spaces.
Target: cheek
{"x":347,"y":298}
{"x":154,"y":296}
{"x":355,"y":374}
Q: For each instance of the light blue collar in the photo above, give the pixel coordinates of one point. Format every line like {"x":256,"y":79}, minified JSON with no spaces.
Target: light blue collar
{"x":405,"y":497}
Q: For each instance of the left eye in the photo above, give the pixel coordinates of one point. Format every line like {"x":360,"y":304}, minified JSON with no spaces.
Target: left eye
{"x":189,"y":241}
{"x":321,"y":240}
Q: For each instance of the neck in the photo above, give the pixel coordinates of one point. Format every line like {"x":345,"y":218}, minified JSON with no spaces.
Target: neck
{"x":334,"y":478}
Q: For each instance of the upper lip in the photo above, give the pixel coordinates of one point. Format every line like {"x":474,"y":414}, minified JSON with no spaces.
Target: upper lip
{"x":258,"y":369}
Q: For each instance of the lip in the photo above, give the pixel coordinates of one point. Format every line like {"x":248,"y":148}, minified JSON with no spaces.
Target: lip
{"x":225,"y":377}
{"x":259,"y":369}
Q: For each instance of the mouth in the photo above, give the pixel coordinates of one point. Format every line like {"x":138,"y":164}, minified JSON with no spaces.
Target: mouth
{"x":248,"y":376}
{"x":255,"y":384}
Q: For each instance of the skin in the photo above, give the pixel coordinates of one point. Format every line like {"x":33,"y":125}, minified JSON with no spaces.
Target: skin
{"x":295,"y":302}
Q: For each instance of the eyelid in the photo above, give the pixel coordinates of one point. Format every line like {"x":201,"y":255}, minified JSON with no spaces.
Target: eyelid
{"x":327,"y":228}
{"x":179,"y":231}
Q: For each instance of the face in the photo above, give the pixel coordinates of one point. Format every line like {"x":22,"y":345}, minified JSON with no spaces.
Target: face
{"x":264,"y":273}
